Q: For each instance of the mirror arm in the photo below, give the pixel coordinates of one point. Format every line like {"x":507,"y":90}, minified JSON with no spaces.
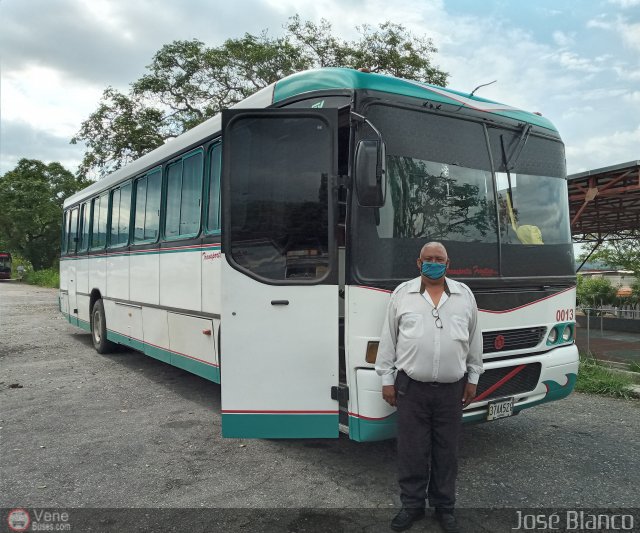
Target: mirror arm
{"x":362,"y":119}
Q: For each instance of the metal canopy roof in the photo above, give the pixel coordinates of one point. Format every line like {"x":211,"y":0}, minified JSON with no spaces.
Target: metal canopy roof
{"x":604,"y":203}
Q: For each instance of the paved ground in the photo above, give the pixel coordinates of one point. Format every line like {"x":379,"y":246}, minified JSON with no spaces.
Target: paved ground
{"x":126,"y":431}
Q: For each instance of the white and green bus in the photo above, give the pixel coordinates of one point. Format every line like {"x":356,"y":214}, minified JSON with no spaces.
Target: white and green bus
{"x":258,"y":250}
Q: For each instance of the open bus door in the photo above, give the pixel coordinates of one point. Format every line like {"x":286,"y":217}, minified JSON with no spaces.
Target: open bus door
{"x":279,"y":337}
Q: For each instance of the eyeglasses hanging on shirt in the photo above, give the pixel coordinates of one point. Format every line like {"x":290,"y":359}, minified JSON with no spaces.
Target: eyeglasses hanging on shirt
{"x":436,"y":315}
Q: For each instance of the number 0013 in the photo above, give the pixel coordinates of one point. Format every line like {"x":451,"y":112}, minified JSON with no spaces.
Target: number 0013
{"x":564,"y":314}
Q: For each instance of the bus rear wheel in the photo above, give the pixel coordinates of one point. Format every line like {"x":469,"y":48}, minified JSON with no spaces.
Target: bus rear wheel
{"x":99,"y":329}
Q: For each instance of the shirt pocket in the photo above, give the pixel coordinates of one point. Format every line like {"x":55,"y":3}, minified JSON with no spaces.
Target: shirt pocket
{"x":411,"y":325}
{"x":460,"y":329}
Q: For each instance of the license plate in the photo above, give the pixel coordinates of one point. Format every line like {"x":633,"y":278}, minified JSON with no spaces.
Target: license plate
{"x":500,"y":409}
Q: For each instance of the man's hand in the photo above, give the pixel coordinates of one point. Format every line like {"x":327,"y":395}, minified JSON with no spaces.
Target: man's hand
{"x":468,"y":395}
{"x":389,"y":394}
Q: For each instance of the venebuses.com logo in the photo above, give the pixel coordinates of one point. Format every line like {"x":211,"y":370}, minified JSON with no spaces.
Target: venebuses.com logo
{"x":20,"y":519}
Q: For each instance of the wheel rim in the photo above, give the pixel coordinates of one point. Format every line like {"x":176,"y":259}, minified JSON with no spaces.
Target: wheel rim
{"x":97,"y":327}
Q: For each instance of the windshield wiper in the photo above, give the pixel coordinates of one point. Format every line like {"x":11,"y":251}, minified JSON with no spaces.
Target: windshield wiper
{"x":510,"y":162}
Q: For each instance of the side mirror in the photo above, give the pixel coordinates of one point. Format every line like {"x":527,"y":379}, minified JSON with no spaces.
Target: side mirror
{"x":370,"y":173}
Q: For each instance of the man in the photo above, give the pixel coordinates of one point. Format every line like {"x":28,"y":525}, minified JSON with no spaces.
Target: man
{"x":431,"y":342}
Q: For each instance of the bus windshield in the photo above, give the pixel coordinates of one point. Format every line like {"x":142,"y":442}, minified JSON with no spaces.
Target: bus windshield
{"x":440,"y":187}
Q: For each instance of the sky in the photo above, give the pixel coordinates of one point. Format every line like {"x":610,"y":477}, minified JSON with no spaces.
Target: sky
{"x":575,"y":61}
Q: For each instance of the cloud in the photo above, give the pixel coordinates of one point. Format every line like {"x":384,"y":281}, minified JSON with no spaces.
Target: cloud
{"x":628,"y":32}
{"x":563,"y":39}
{"x":625,"y":4}
{"x":603,"y":150}
{"x":21,"y":140}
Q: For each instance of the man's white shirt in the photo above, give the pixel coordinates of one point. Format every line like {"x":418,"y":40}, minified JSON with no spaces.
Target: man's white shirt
{"x":410,"y":340}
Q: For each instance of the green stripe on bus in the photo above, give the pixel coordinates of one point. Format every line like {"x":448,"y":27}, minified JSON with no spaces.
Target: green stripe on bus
{"x":279,"y":426}
{"x":362,"y":430}
{"x":215,"y":248}
{"x":212,"y":373}
{"x":341,"y":78}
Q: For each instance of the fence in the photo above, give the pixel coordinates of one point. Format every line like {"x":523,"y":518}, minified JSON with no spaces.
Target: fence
{"x":615,"y":330}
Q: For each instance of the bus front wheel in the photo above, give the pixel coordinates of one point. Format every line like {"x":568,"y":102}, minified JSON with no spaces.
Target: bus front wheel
{"x":99,"y":329}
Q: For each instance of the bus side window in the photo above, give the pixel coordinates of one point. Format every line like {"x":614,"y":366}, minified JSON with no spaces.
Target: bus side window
{"x":65,"y":233}
{"x":120,"y":213}
{"x":184,"y":197}
{"x":213,"y":215}
{"x":84,"y":229}
{"x":73,"y":232}
{"x":115,"y":218}
{"x":99,"y":228}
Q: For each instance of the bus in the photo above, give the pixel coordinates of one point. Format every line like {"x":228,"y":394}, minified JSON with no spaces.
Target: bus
{"x":259,"y":249}
{"x":5,"y":265}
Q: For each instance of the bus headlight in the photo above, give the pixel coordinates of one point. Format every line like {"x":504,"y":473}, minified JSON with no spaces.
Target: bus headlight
{"x":553,"y":336}
{"x":566,"y":333}
{"x":372,"y":352}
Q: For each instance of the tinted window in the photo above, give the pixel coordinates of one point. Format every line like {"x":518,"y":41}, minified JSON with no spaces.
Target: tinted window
{"x":100,"y":212}
{"x":174,"y":186}
{"x":533,"y":204}
{"x":86,"y":217}
{"x":147,"y":210}
{"x":73,"y":231}
{"x":278,"y":196}
{"x":115,"y":217}
{"x":125,"y":213}
{"x":213,"y":217}
{"x":439,"y":188}
{"x":65,"y":232}
{"x":141,"y":202}
{"x":191,"y":195}
{"x":152,"y":210}
{"x":184,"y":196}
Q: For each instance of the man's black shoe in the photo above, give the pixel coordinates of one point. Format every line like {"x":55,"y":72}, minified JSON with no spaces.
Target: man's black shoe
{"x":448,"y":522}
{"x":405,"y":518}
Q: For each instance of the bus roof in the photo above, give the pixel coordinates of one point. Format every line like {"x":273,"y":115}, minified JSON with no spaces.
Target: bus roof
{"x":345,"y":78}
{"x":323,"y":79}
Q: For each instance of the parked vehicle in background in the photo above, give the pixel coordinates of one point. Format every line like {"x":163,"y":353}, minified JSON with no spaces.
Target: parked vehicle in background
{"x":5,"y":265}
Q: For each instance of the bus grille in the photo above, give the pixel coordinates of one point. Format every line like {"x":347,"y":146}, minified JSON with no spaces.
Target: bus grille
{"x":512,"y":339}
{"x":524,"y":381}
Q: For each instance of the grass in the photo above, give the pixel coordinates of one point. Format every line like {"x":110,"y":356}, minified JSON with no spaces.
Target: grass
{"x":44,"y":278}
{"x":634,"y":367}
{"x":595,"y":378}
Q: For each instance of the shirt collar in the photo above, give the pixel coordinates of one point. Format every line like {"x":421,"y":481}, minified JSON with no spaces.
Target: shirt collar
{"x":454,"y":287}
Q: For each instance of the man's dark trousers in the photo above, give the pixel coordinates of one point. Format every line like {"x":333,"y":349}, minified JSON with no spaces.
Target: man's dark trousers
{"x":429,"y":426}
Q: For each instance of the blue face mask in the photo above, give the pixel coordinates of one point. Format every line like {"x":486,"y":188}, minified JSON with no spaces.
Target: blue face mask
{"x":433,"y":270}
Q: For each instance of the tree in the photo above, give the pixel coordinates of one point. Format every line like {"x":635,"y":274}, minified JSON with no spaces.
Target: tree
{"x":31,"y":198}
{"x":593,"y":292}
{"x":622,"y":254}
{"x":188,"y":82}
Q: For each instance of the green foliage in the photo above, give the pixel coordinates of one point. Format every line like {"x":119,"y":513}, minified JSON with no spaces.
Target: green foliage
{"x":623,"y":254}
{"x":635,"y":291}
{"x":188,"y":82}
{"x":634,"y":366}
{"x":595,"y":378}
{"x":49,"y":277}
{"x":31,"y":198}
{"x":18,"y":260}
{"x":593,"y":292}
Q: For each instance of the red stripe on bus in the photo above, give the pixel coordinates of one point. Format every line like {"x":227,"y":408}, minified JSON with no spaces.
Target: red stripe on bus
{"x":357,"y":415}
{"x":498,"y":384}
{"x":372,"y":289}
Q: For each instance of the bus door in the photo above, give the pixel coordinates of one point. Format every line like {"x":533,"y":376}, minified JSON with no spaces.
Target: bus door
{"x":279,"y":330}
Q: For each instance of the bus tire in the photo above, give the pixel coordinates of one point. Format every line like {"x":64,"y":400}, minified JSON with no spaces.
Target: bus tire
{"x":99,"y":329}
